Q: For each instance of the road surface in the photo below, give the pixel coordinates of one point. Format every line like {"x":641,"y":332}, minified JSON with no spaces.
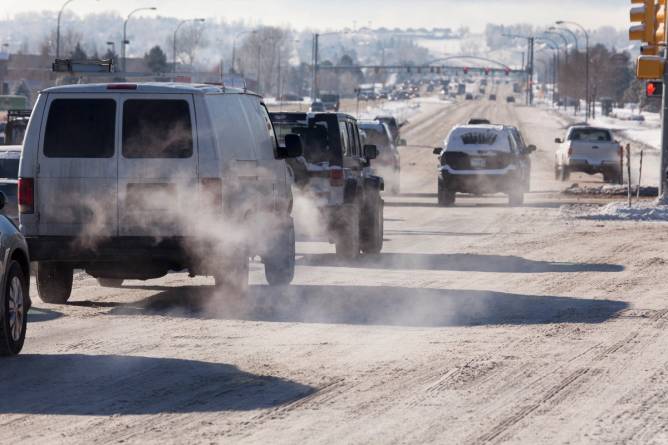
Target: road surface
{"x":477,"y":324}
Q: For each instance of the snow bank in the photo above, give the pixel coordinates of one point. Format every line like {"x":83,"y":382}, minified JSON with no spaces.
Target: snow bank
{"x":617,"y":211}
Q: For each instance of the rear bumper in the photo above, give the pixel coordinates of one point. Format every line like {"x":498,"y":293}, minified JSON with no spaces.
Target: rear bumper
{"x":585,"y":166}
{"x":77,"y":250}
{"x":479,"y":182}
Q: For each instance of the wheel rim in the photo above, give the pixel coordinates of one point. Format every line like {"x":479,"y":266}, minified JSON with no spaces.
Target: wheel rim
{"x":16,"y":308}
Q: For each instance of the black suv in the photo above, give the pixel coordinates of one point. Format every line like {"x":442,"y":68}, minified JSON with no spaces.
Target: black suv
{"x":334,"y":175}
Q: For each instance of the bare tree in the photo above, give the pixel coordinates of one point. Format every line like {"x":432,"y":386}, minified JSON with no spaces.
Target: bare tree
{"x":191,"y":38}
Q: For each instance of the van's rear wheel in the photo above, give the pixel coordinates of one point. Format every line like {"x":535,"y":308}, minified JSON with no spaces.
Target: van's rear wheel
{"x":54,"y":282}
{"x":348,"y":235}
{"x":110,"y":282}
{"x":279,"y":264}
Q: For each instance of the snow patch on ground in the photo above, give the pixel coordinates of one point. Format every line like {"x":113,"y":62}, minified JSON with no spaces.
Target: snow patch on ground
{"x":617,"y":211}
{"x":401,"y":110}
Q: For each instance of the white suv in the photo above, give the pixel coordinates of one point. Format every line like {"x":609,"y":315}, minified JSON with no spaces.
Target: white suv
{"x":130,"y":181}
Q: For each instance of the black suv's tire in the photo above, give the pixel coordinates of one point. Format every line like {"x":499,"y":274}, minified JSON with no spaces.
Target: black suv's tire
{"x":232,"y":275}
{"x":446,"y":197}
{"x":14,"y":300}
{"x":564,"y":173}
{"x":54,"y":282}
{"x":516,"y":198}
{"x":110,"y":282}
{"x":557,"y":172}
{"x":279,"y":265}
{"x":373,"y":228}
{"x":348,"y":235}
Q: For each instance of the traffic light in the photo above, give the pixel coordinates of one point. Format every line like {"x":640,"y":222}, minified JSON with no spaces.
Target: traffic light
{"x":645,"y":15}
{"x":660,"y":22}
{"x":486,"y":71}
{"x":650,"y":67}
{"x":654,"y":89}
{"x":466,"y":70}
{"x":507,"y":71}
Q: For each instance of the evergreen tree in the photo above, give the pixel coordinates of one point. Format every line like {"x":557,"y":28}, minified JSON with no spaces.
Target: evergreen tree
{"x":156,"y":60}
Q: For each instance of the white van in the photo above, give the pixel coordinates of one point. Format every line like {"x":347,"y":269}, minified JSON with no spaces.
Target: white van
{"x":130,"y":181}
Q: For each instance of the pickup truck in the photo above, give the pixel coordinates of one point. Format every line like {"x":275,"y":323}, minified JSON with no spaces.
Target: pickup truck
{"x":588,"y":150}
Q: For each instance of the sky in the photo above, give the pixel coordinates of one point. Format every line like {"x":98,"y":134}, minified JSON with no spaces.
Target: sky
{"x":337,"y":14}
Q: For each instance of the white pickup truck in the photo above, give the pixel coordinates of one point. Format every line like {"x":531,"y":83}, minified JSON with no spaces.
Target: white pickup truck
{"x":588,"y":150}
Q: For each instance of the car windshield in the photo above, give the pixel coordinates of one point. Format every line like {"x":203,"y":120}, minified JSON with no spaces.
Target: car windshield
{"x":377,"y":136}
{"x":314,"y":137}
{"x":590,"y":135}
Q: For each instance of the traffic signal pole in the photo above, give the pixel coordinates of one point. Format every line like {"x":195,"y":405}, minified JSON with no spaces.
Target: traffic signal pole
{"x":663,"y":182}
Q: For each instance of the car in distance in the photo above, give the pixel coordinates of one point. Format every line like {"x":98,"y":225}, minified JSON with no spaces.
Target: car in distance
{"x":478,"y":121}
{"x":317,"y":106}
{"x":492,"y":97}
{"x":388,"y":163}
{"x":331,"y":102}
{"x":335,"y":177}
{"x":481,"y":159}
{"x":469,"y":96}
{"x":15,"y":280}
{"x":157,"y":178}
{"x":588,"y":150}
{"x":510,"y":99}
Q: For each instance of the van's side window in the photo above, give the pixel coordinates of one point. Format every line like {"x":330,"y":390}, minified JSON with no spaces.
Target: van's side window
{"x":80,"y":128}
{"x":157,"y":129}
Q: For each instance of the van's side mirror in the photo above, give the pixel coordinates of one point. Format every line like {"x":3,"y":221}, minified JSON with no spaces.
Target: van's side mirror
{"x":401,"y":142}
{"x":3,"y":200}
{"x":438,"y":150}
{"x":531,"y":148}
{"x":370,"y":152}
{"x":293,"y":147}
{"x":559,"y":141}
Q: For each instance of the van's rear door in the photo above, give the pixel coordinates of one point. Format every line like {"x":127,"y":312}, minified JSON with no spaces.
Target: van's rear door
{"x":76,"y":188}
{"x":157,"y":168}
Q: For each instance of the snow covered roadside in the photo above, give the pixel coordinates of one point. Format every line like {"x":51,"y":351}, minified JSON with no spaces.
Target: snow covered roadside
{"x":401,"y":110}
{"x":617,"y":211}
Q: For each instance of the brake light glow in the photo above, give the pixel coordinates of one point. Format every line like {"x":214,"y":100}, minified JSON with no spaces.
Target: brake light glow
{"x":122,"y":86}
{"x":26,"y":195}
{"x":336,"y":177}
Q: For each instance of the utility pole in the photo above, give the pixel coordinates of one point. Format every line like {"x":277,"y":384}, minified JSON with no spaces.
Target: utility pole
{"x":314,"y":89}
{"x":663,"y":182}
{"x":530,"y":71}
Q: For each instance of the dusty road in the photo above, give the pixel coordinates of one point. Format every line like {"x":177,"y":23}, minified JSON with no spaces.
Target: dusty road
{"x":477,"y":324}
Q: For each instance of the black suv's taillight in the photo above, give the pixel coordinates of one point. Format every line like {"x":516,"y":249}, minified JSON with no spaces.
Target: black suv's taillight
{"x":26,"y":195}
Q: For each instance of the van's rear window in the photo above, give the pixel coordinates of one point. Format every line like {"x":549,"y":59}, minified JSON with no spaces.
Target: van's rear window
{"x":80,"y":128}
{"x":157,"y":129}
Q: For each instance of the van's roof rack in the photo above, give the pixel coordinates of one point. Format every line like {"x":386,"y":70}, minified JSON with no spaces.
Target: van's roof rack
{"x":82,"y":66}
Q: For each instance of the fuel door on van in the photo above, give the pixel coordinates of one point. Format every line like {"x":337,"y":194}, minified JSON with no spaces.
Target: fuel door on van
{"x":157,"y":167}
{"x":76,"y":189}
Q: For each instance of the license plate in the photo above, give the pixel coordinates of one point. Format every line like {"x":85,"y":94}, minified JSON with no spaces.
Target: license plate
{"x":478,"y":163}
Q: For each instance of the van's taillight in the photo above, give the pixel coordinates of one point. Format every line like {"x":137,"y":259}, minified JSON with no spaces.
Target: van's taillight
{"x":336,"y":177}
{"x":122,"y":86}
{"x":26,"y":195}
{"x":570,"y":151}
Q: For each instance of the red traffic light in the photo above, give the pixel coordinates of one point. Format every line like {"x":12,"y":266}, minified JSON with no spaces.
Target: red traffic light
{"x":654,"y":89}
{"x":466,"y":70}
{"x":507,"y":71}
{"x":486,"y":71}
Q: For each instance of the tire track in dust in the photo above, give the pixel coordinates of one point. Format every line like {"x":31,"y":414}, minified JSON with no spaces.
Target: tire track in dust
{"x":632,"y":339}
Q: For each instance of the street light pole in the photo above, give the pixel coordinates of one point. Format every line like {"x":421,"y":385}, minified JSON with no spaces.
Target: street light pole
{"x":181,"y":23}
{"x":316,"y":49}
{"x":125,"y":30}
{"x":60,"y":14}
{"x":588,"y":99}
